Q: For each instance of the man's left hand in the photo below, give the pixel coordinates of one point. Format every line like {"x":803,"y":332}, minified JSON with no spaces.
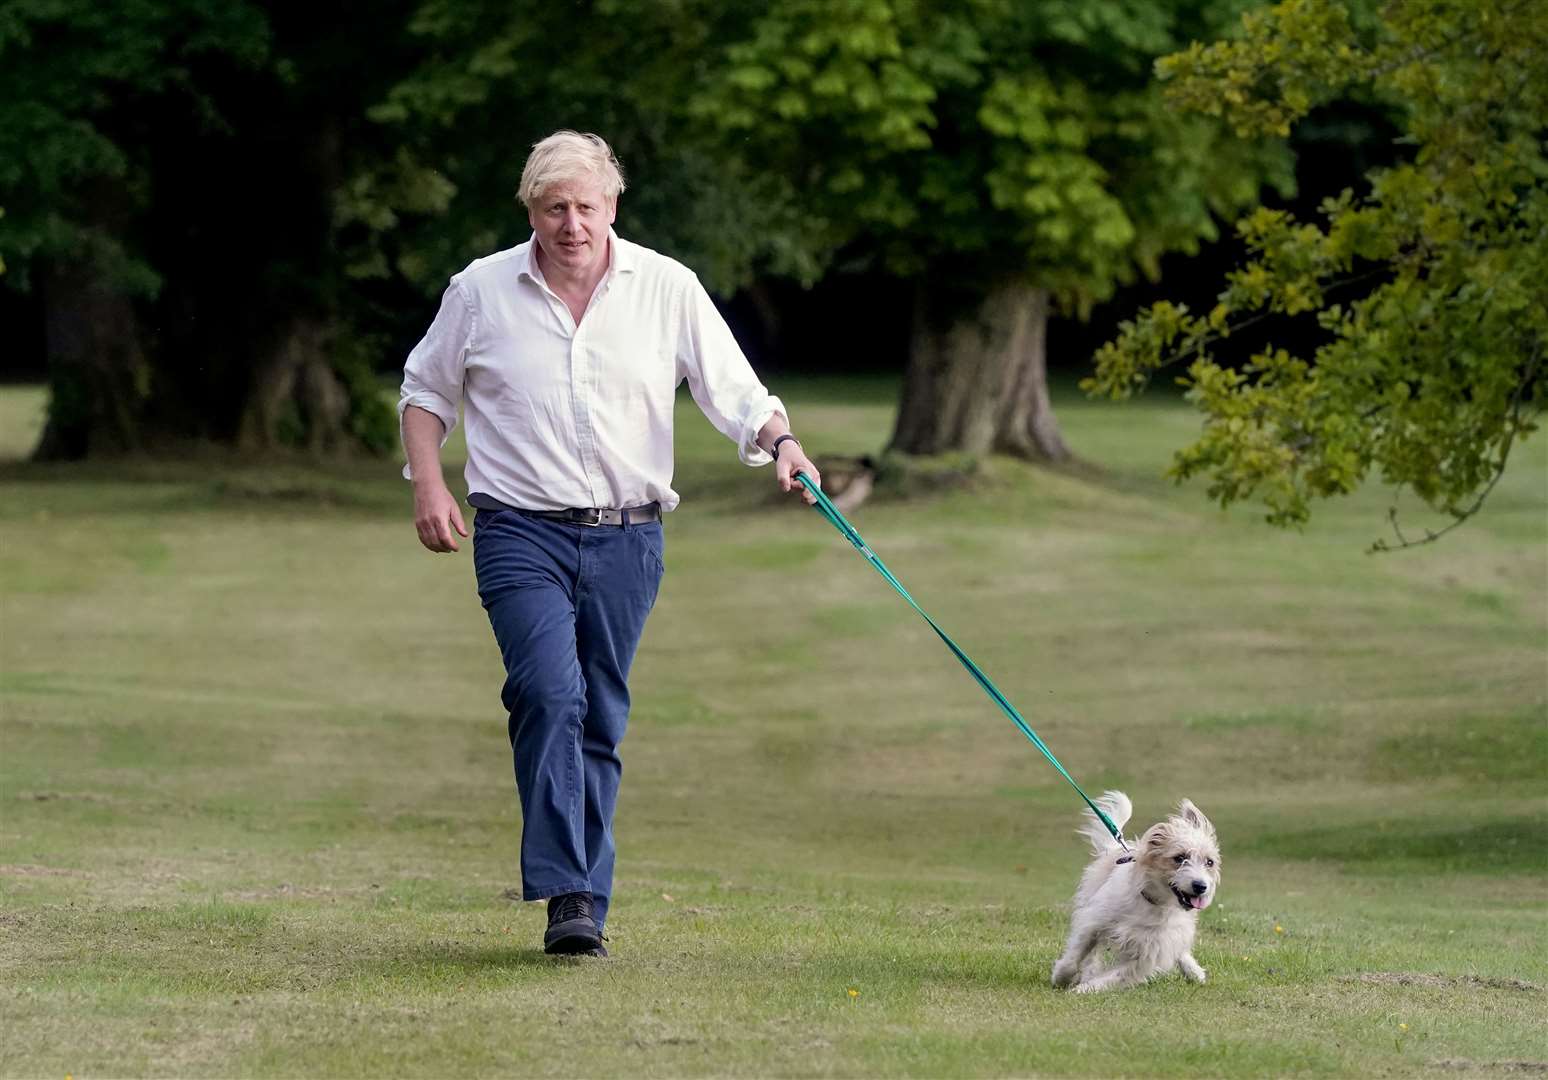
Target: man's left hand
{"x":792,"y":460}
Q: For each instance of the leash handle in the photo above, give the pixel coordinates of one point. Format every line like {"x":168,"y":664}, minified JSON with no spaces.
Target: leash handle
{"x":825,"y":507}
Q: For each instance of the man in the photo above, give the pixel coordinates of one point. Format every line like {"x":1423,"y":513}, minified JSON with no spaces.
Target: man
{"x":566,"y":352}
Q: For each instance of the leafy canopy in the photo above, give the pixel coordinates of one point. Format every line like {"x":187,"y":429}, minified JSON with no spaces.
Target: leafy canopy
{"x":82,"y":88}
{"x":982,"y":138}
{"x":1431,"y":287}
{"x":986,"y":138}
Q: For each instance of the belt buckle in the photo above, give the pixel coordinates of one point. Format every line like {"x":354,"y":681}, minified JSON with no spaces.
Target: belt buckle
{"x":590,"y":518}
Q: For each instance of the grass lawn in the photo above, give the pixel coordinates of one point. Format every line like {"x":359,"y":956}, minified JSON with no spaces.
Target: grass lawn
{"x":257,"y":816}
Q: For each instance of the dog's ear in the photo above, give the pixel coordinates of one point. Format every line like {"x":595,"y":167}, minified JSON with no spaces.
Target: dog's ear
{"x":1154,"y":843}
{"x":1194,"y":816}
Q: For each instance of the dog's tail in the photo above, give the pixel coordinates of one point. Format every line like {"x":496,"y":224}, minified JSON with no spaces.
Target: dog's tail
{"x":1118,"y":807}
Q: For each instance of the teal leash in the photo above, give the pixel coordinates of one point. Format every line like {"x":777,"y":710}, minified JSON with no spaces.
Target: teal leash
{"x":826,"y":508}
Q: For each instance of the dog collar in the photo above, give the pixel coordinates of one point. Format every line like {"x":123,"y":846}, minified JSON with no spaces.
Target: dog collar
{"x":1130,"y":858}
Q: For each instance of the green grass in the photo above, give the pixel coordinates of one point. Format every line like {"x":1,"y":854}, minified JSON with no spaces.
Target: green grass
{"x":256,"y":814}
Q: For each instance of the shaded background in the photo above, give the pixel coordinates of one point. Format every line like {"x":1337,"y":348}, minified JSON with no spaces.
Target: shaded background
{"x":231,"y":227}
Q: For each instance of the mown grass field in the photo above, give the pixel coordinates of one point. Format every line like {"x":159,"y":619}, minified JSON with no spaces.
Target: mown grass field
{"x":256,"y":814}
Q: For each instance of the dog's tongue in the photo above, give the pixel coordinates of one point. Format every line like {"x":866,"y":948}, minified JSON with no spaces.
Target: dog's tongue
{"x":1199,"y":903}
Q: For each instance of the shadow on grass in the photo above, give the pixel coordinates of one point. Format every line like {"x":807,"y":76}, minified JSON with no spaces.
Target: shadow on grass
{"x":268,"y":485}
{"x":818,"y":963}
{"x":1508,"y":845}
{"x":1484,"y":749}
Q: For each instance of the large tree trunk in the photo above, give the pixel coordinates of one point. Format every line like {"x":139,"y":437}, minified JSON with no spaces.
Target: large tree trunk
{"x":98,"y":375}
{"x":295,"y":397}
{"x":977,"y":379}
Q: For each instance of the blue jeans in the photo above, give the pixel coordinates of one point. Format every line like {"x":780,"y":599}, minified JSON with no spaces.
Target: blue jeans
{"x":567,"y":604}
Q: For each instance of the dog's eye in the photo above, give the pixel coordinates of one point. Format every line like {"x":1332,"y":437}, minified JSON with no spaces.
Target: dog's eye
{"x":1179,"y":859}
{"x":1209,"y":862}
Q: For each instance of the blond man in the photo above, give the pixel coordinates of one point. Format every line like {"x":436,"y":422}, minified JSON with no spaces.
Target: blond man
{"x":565,"y":353}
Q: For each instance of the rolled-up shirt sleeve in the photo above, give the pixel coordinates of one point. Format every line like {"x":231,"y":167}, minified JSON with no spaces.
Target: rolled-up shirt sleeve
{"x":432,"y":376}
{"x":721,"y":380}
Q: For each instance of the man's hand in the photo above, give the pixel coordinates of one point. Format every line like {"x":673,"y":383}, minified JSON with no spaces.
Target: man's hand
{"x":792,"y":459}
{"x":436,"y":514}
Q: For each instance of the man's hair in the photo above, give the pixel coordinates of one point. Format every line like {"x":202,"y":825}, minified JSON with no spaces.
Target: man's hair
{"x":569,"y":156}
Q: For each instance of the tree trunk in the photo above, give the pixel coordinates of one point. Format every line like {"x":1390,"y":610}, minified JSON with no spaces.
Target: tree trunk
{"x":98,"y":375}
{"x":1025,"y":424}
{"x":295,"y":398}
{"x":977,"y":381}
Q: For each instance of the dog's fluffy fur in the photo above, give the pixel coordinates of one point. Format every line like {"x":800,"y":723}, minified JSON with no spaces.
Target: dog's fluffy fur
{"x":1143,"y":910}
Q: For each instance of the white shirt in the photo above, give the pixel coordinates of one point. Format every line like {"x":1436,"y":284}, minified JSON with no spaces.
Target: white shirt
{"x":559,"y":415}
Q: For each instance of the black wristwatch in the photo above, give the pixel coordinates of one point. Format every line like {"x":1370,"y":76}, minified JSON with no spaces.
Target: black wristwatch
{"x":775,"y":448}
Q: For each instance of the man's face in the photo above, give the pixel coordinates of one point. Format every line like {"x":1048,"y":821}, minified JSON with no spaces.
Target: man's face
{"x":571,"y":221}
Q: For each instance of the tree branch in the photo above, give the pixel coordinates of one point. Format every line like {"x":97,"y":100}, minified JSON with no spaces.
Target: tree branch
{"x":1459,"y":516}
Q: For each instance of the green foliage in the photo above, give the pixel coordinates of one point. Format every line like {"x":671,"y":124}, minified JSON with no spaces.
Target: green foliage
{"x":373,"y":420}
{"x":80,"y":82}
{"x":183,"y":166}
{"x":795,"y":137}
{"x":489,"y":83}
{"x":1432,"y":286}
{"x":993,"y":138}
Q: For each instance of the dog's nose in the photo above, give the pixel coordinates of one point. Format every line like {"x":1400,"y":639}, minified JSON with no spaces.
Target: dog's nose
{"x":1200,"y":887}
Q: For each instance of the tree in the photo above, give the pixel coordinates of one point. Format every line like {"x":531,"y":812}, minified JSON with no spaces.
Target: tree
{"x":76,"y":80}
{"x":168,"y":171}
{"x":1000,"y":159}
{"x":490,"y":84}
{"x":1008,"y":159}
{"x":1431,"y":286}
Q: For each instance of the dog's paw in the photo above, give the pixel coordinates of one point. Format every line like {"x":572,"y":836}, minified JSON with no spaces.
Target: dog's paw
{"x":1063,"y":975}
{"x":1193,"y":971}
{"x":1087,"y":988}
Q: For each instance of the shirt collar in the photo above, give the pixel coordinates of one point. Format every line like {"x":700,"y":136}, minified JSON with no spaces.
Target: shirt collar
{"x":624,"y":259}
{"x":621,"y":256}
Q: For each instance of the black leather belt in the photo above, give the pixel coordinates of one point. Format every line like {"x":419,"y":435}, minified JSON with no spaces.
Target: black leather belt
{"x":588,"y":516}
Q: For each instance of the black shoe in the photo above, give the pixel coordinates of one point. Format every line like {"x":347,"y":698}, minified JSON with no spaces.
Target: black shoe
{"x":571,"y":925}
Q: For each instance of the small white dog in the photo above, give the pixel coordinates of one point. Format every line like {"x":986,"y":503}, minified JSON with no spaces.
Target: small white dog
{"x":1143,"y":907}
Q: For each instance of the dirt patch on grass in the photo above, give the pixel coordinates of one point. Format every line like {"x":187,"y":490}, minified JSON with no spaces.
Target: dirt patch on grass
{"x":704,"y":909}
{"x":1533,"y":1067}
{"x":26,"y":870}
{"x":287,"y":891}
{"x":1419,"y":978}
